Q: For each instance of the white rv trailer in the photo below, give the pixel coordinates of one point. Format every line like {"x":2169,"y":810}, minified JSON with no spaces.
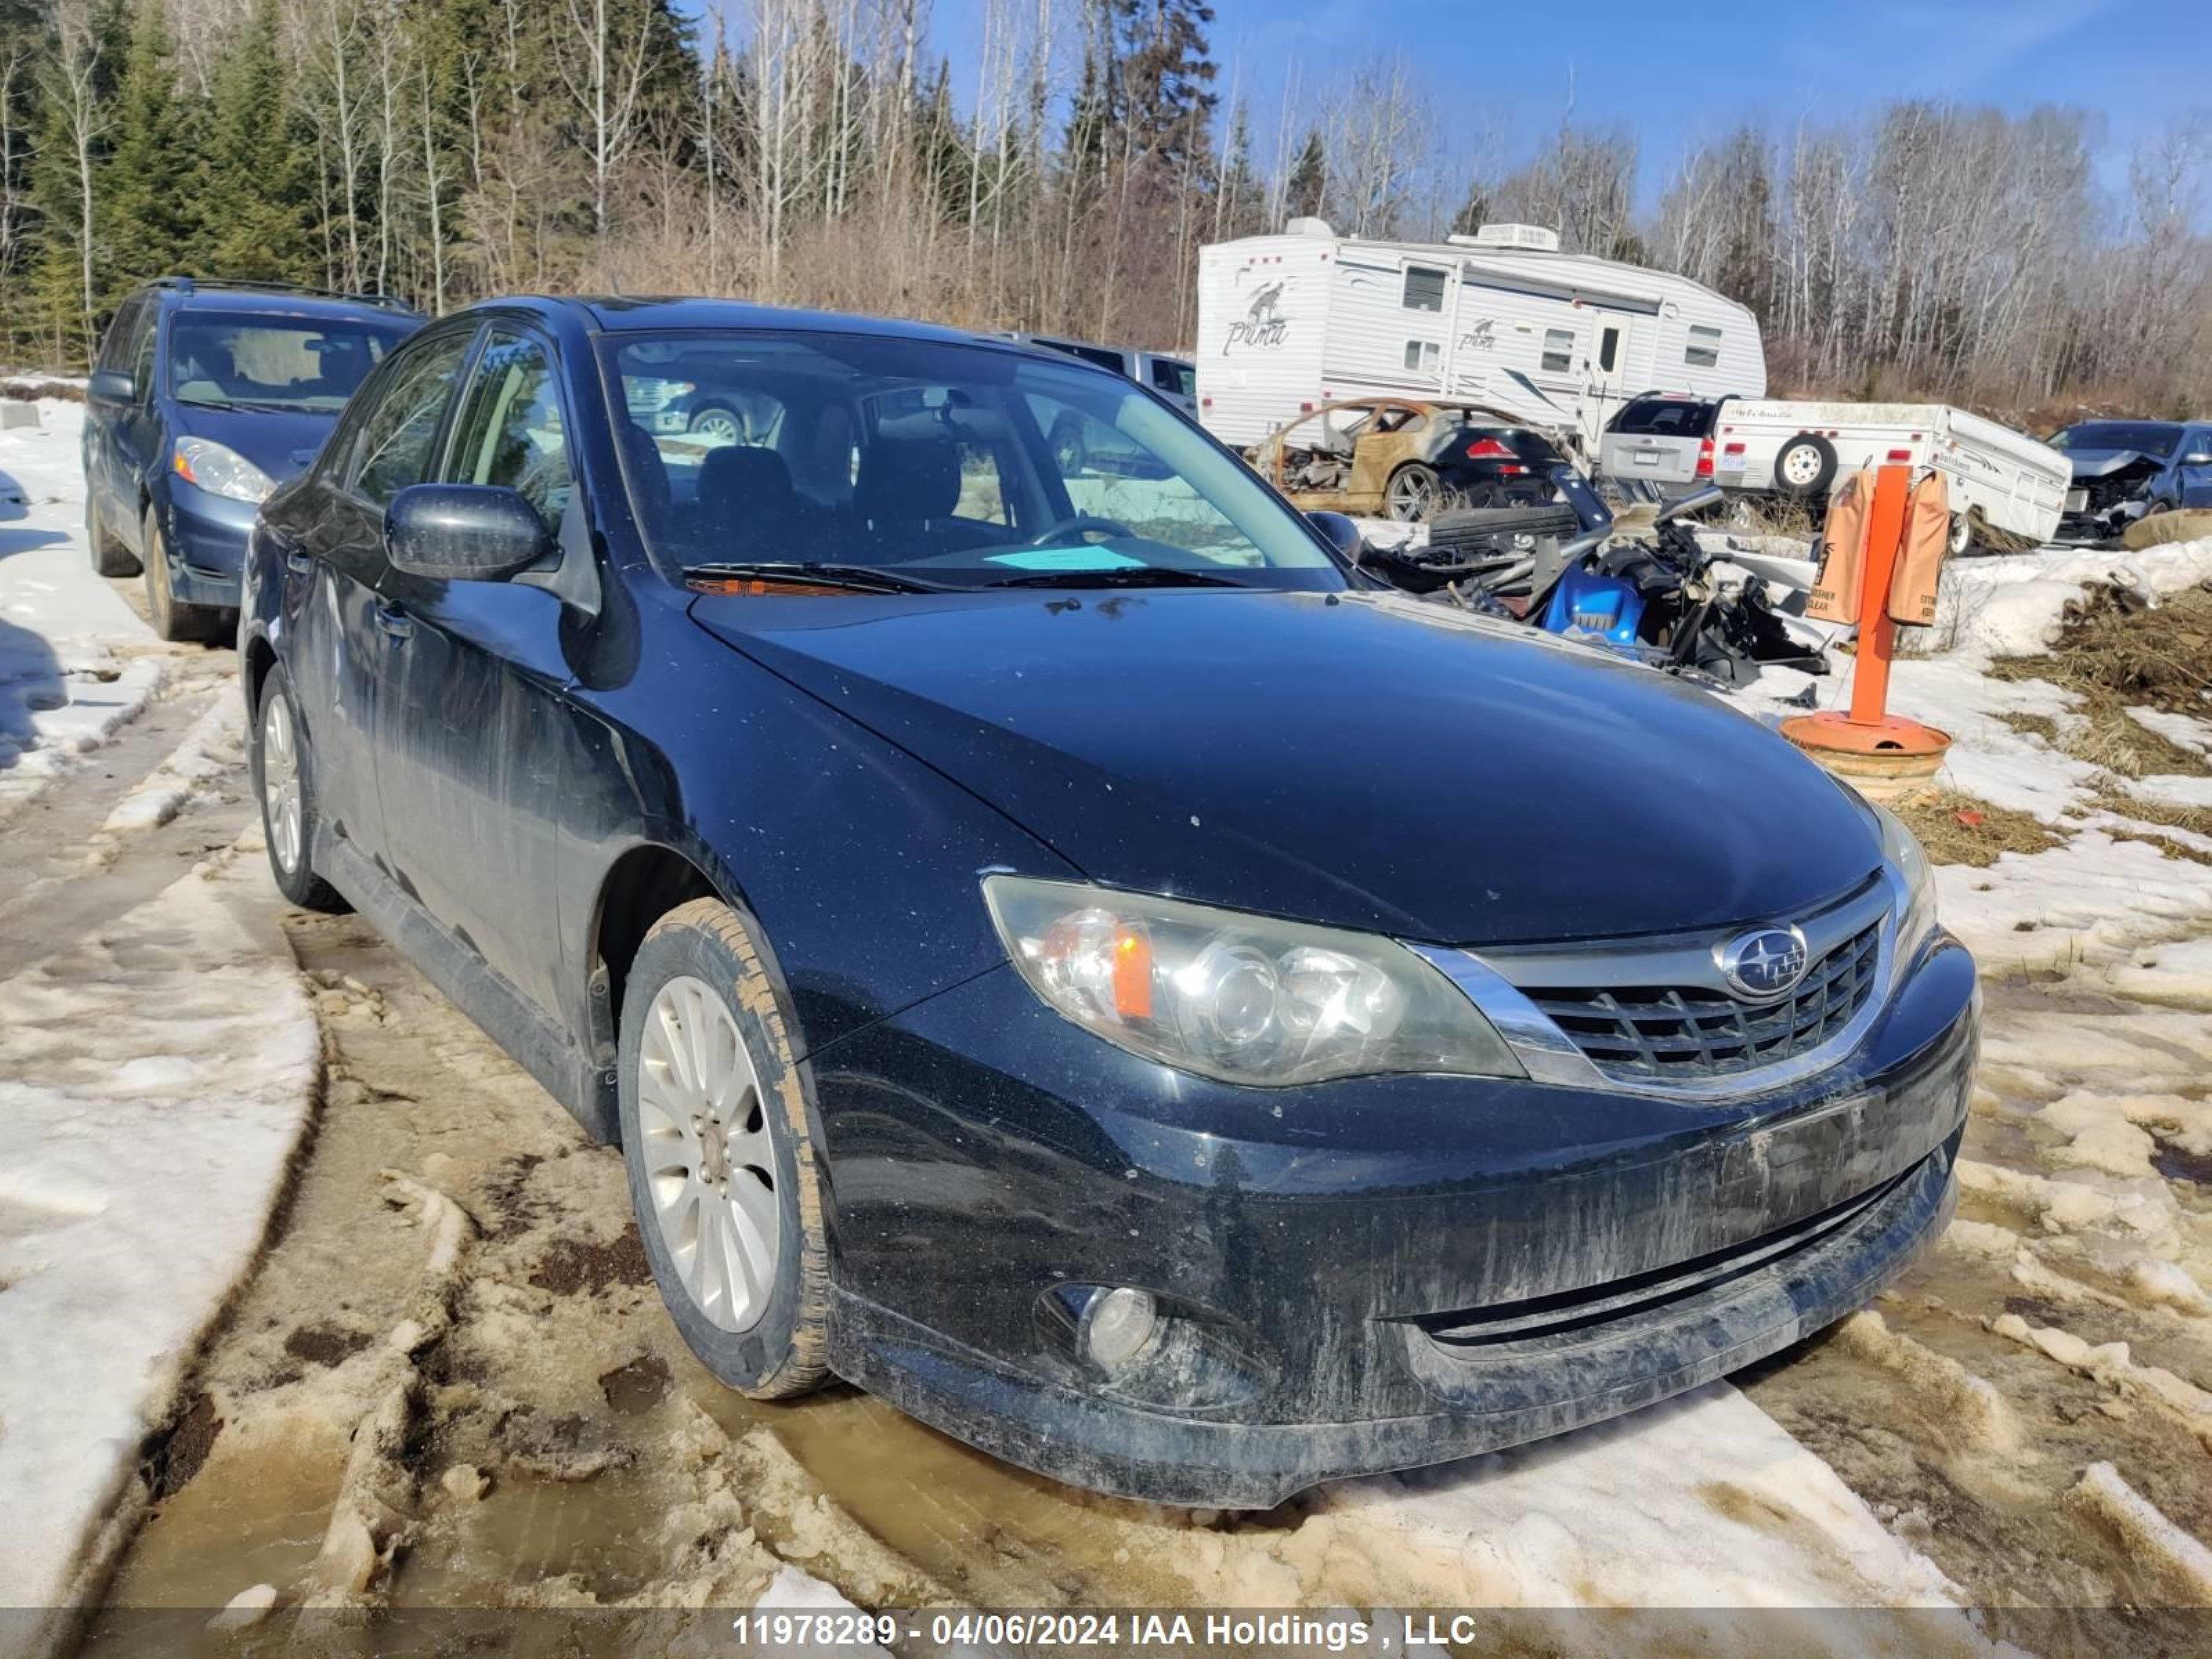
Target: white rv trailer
{"x":1502,"y":318}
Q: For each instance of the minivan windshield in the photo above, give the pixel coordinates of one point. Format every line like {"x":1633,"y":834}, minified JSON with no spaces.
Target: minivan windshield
{"x":2153,"y":438}
{"x":904,"y":464}
{"x":247,"y":360}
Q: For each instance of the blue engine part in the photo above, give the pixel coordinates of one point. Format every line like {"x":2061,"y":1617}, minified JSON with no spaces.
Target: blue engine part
{"x":1590,"y":602}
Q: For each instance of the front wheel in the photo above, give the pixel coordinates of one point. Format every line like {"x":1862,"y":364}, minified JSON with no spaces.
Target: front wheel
{"x":1410,"y":494}
{"x":285,"y":781}
{"x":173,"y":618}
{"x":721,"y":1158}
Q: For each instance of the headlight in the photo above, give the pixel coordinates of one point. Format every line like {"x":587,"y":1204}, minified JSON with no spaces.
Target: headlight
{"x":1241,"y":998}
{"x":221,"y":470}
{"x":1909,"y":863}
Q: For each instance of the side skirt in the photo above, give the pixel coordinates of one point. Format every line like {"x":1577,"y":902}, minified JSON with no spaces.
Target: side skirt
{"x":538,"y":1044}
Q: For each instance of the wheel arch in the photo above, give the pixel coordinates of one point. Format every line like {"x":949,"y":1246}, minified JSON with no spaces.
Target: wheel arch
{"x":643,"y":884}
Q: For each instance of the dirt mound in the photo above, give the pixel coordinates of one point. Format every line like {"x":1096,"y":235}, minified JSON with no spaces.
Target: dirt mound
{"x":2116,"y":652}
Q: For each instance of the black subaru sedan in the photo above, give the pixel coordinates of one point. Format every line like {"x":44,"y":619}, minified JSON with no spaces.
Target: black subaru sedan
{"x":1058,"y":948}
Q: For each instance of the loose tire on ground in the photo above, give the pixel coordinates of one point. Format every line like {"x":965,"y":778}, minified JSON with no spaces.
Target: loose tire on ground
{"x":172,"y":618}
{"x":1805,"y":466}
{"x":283,"y":776}
{"x":109,"y":556}
{"x":781,"y":1346}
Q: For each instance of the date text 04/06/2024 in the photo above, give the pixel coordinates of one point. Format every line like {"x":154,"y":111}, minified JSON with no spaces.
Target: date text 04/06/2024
{"x":1165,"y":1630}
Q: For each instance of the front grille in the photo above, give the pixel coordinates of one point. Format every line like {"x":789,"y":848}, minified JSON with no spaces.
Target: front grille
{"x":1687,"y":1032}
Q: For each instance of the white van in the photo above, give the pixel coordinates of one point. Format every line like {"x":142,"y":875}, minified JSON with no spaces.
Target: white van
{"x":2000,"y":481}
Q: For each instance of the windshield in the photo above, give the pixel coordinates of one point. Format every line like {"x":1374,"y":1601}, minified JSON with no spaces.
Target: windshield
{"x":2153,"y":438}
{"x":935,"y":465}
{"x":241,"y":360}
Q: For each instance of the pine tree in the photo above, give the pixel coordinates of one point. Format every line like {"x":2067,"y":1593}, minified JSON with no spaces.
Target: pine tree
{"x":1169,"y":77}
{"x":1309,"y":183}
{"x":1243,"y":199}
{"x":154,"y":218}
{"x":77,"y":92}
{"x":256,"y":191}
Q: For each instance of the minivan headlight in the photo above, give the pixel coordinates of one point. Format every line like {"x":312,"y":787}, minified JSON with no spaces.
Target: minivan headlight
{"x":1242,"y":999}
{"x":221,"y":470}
{"x":1908,"y":866}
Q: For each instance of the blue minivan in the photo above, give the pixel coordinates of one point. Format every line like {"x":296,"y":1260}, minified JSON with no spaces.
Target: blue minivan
{"x":205,"y":396}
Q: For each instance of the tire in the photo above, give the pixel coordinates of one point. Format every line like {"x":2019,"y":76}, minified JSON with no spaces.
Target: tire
{"x":762,"y":1329}
{"x":717,"y":422}
{"x":172,"y":618}
{"x":109,"y":556}
{"x":1962,"y":541}
{"x":1412,"y":493}
{"x":1488,"y":529}
{"x":284,"y":783}
{"x":1805,"y":466}
{"x":1069,"y":453}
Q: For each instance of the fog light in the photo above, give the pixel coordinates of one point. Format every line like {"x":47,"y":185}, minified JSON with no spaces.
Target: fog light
{"x":1117,"y":1326}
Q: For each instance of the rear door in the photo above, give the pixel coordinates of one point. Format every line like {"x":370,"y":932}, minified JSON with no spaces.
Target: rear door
{"x":104,"y":468}
{"x":471,"y":732}
{"x":2193,"y":470}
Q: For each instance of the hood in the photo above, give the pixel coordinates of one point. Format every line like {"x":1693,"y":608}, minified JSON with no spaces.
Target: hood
{"x":281,"y":444}
{"x":1362,"y":760}
{"x":2103,"y":463}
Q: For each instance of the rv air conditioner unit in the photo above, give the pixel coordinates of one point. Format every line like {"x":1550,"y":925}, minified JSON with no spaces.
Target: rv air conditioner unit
{"x":1316,"y":228}
{"x":1536,"y":238}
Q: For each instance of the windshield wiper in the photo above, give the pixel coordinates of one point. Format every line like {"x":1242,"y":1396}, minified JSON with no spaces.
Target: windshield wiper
{"x":1135,"y":575}
{"x":858,"y":578}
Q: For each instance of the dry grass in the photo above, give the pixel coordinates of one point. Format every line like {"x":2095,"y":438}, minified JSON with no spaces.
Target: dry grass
{"x":2198,"y":820}
{"x":28,"y":389}
{"x":2115,"y":653}
{"x":2033,"y":725}
{"x":1771,"y":515}
{"x":1959,"y":828}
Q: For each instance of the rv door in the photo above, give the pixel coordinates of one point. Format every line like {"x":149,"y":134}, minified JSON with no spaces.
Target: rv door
{"x":1606,"y":374}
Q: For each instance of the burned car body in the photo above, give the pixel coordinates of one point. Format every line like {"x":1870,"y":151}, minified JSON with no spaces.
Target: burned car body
{"x":1406,"y":457}
{"x":2128,"y":470}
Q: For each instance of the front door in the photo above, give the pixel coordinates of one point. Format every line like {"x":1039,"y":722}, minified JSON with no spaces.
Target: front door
{"x":472,"y":728}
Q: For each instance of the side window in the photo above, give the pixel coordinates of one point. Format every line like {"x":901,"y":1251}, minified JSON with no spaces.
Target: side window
{"x":1703,"y":350}
{"x":1559,"y":350}
{"x":149,"y":329}
{"x":1176,"y":380}
{"x":509,"y":431}
{"x":397,"y":434}
{"x":1424,"y":289}
{"x":1107,"y":473}
{"x":1422,"y":355}
{"x":115,"y":348}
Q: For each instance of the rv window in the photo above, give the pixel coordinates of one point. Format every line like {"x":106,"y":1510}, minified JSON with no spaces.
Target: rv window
{"x":1608,"y":349}
{"x":1421,"y":355}
{"x":1703,"y":350}
{"x":1559,"y":350}
{"x":1424,"y":289}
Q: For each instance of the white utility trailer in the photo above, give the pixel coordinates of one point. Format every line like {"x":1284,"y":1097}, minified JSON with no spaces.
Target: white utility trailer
{"x":2012,"y":485}
{"x":1501,"y":317}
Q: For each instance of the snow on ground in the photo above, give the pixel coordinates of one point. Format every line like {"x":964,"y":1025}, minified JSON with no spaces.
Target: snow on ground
{"x":155,"y":1081}
{"x":214,"y":749}
{"x":76,"y":662}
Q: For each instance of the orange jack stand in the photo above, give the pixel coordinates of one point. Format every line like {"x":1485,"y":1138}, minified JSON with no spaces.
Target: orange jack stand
{"x":1885,"y":755}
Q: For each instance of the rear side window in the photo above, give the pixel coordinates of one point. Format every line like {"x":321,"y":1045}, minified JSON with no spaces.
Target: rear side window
{"x":1656,"y":417}
{"x":397,"y":434}
{"x":1424,"y":289}
{"x":1176,"y":380}
{"x":509,"y":431}
{"x":1559,"y":350}
{"x":1703,"y":349}
{"x":115,"y":350}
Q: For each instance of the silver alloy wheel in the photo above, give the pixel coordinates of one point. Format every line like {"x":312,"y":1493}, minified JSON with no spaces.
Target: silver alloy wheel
{"x":717,"y":425}
{"x":1802,"y":465}
{"x":280,"y":782}
{"x":1412,"y":493}
{"x":704,"y":1145}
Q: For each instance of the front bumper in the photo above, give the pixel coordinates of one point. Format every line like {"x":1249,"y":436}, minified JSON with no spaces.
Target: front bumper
{"x":206,"y":536}
{"x":1406,"y":1269}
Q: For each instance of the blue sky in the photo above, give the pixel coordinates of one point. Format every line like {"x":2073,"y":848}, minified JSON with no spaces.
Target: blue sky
{"x":1677,"y":71}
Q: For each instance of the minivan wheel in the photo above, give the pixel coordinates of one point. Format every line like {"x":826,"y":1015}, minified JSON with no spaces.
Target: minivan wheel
{"x":716,"y":425}
{"x":722,"y":1163}
{"x":172,"y":618}
{"x":109,"y":556}
{"x":285,"y":782}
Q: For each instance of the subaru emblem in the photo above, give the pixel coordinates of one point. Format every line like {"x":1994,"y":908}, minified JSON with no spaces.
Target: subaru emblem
{"x":1764,"y":963}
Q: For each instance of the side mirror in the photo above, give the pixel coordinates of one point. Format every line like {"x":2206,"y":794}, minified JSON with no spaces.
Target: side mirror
{"x":110,"y":385}
{"x":1340,"y":532}
{"x":2196,"y":458}
{"x":463,"y":532}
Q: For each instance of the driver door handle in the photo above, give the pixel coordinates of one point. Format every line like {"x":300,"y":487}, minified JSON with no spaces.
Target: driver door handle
{"x":395,"y":622}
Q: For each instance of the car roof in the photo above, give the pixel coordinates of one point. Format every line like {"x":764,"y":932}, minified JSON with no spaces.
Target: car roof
{"x":279,"y":302}
{"x":637,"y":313}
